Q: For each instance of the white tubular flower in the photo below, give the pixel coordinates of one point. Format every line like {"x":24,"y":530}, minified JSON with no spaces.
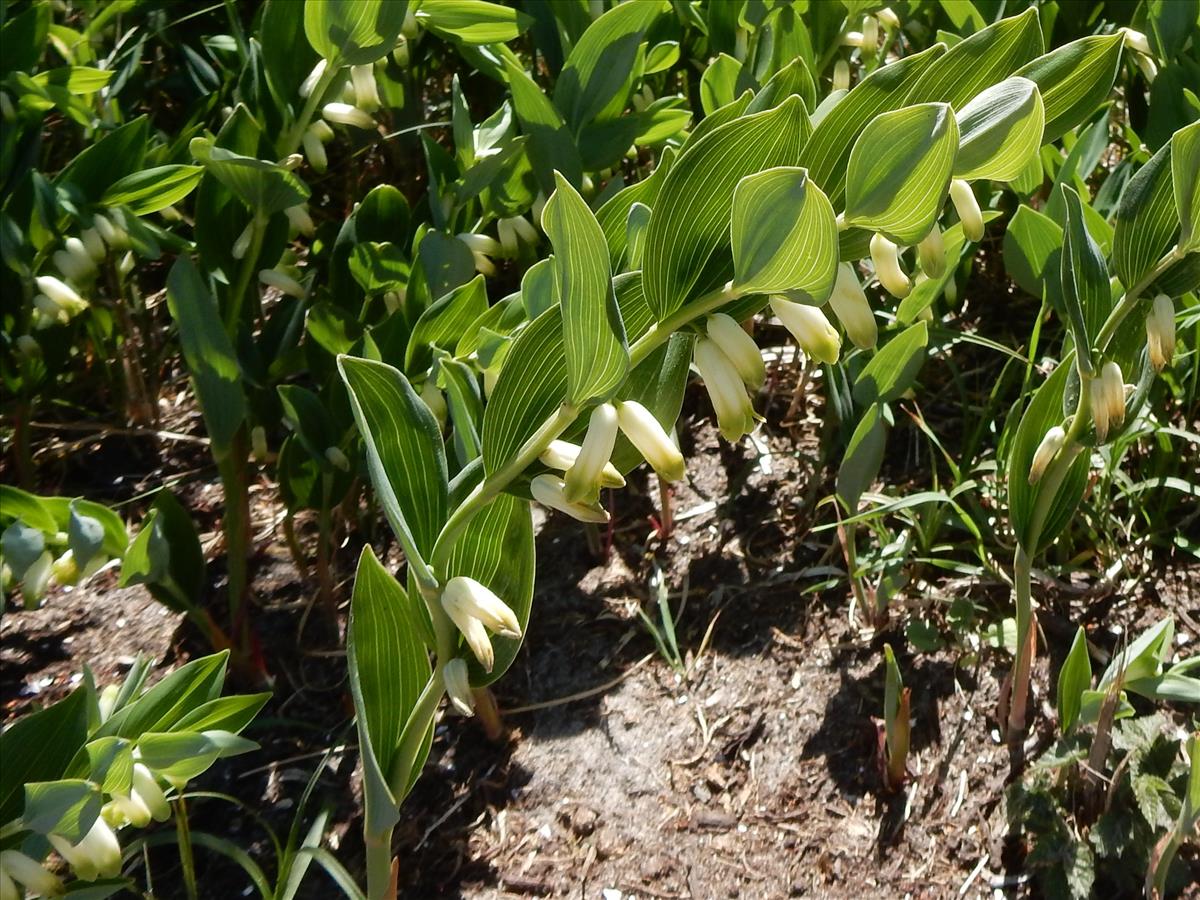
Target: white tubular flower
{"x":29,"y":873}
{"x":889,"y":18}
{"x":345,"y":114}
{"x":28,"y":346}
{"x":841,"y":75}
{"x":94,"y":244}
{"x":314,"y":149}
{"x":849,"y":303}
{"x":1147,"y":66}
{"x":242,"y":244}
{"x":8,"y":887}
{"x":524,"y":229}
{"x":1135,"y":40}
{"x":51,"y":312}
{"x":65,"y":570}
{"x":473,"y":632}
{"x":61,"y":295}
{"x":457,"y":680}
{"x":549,"y":490}
{"x":739,"y":347}
{"x":310,"y":81}
{"x":1160,"y":332}
{"x":1046,"y":451}
{"x":886,"y":257}
{"x":108,"y":231}
{"x":366,"y":92}
{"x":931,"y":253}
{"x":108,"y":700}
{"x":561,"y":455}
{"x":476,"y":600}
{"x":286,"y":283}
{"x":299,"y":220}
{"x":1114,"y":392}
{"x":1099,"y":403}
{"x":583,"y":479}
{"x":539,"y":204}
{"x":122,"y":810}
{"x":812,"y":331}
{"x":482,"y":243}
{"x":870,"y":34}
{"x":321,"y":131}
{"x":392,"y":301}
{"x":483,"y":264}
{"x":126,"y":263}
{"x":967,"y":208}
{"x":146,"y":786}
{"x":97,"y":855}
{"x":292,"y":161}
{"x":651,"y":440}
{"x":852,"y":39}
{"x":432,"y":397}
{"x":71,"y":268}
{"x":258,"y":443}
{"x":735,"y":413}
{"x":336,"y":458}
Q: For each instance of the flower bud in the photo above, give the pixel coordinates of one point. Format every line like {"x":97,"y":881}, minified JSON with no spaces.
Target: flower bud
{"x":482,"y":243}
{"x":1046,"y":451}
{"x":583,"y":479}
{"x":124,"y":810}
{"x":1135,"y":40}
{"x":1147,"y":66}
{"x":392,"y":301}
{"x":94,"y":243}
{"x":299,"y":220}
{"x":849,"y":304}
{"x":931,"y":253}
{"x":336,"y":458}
{"x":549,"y":490}
{"x":28,"y":346}
{"x":475,"y":599}
{"x":321,"y":131}
{"x":889,"y":18}
{"x":60,"y":294}
{"x":112,"y":229}
{"x":870,"y":34}
{"x":65,"y":570}
{"x":36,"y":579}
{"x":886,"y":257}
{"x":1160,"y":332}
{"x":651,"y":440}
{"x":291,"y":162}
{"x":72,"y":268}
{"x":345,"y":114}
{"x":458,"y":686}
{"x":739,"y":348}
{"x":852,"y":39}
{"x":735,"y":414}
{"x":561,"y":455}
{"x":108,"y":700}
{"x":1114,"y":393}
{"x":841,"y":75}
{"x":146,"y":786}
{"x":967,"y":208}
{"x":51,"y":312}
{"x":808,"y":325}
{"x":97,"y":855}
{"x":314,"y":150}
{"x":284,"y":282}
{"x":1099,"y":404}
{"x":432,"y":396}
{"x":473,"y":632}
{"x":29,"y":873}
{"x":366,"y":92}
{"x":310,"y":80}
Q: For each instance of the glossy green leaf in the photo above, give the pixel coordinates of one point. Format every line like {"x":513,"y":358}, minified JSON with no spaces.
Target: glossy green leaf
{"x":690,"y":224}
{"x":1000,"y":130}
{"x":894,"y":369}
{"x":230,"y":714}
{"x":1171,"y":23}
{"x":613,"y":215}
{"x":353,"y":32}
{"x":153,"y":189}
{"x":1074,"y":678}
{"x":985,"y":58}
{"x":863,"y":457}
{"x":551,"y":146}
{"x":1074,"y":79}
{"x":29,"y":508}
{"x":597,"y":356}
{"x":389,"y":667}
{"x":405,"y":456}
{"x":160,"y":708}
{"x":39,"y":747}
{"x":264,"y":187}
{"x":67,"y":807}
{"x":718,"y":85}
{"x":1084,"y":276}
{"x":784,"y":234}
{"x":465,"y":407}
{"x":1146,"y":222}
{"x":443,"y":323}
{"x":473,"y":21}
{"x":899,"y":171}
{"x":1185,"y":164}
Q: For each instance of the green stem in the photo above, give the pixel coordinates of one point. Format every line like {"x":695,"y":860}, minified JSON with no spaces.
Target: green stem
{"x":1131,"y":298}
{"x":235,"y":524}
{"x":186,"y":859}
{"x":292,"y":138}
{"x":661,"y":331}
{"x":379,"y":864}
{"x":233,"y":312}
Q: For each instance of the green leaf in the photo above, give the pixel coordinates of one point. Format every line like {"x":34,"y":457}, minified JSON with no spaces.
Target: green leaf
{"x":305,"y":415}
{"x":1000,"y":130}
{"x":597,"y":356}
{"x":160,"y":708}
{"x":465,"y":405}
{"x":1032,"y":253}
{"x":784,"y":235}
{"x":67,"y":807}
{"x":894,"y":369}
{"x":1185,"y":163}
{"x":75,"y":79}
{"x":445,"y":322}
{"x":473,"y":21}
{"x":497,"y":551}
{"x":109,"y":763}
{"x":153,"y":189}
{"x":551,"y":146}
{"x":389,"y":667}
{"x":1084,"y":276}
{"x":113,"y":157}
{"x":264,"y":187}
{"x":1043,"y":413}
{"x":983,"y":59}
{"x":863,"y":457}
{"x":1146,"y":221}
{"x":188,"y":754}
{"x":689,"y":230}
{"x":166,"y":555}
{"x":613,"y":215}
{"x":353,"y":32}
{"x":85,"y":537}
{"x":718,"y":85}
{"x":30,"y":509}
{"x":24,"y":39}
{"x":600,"y":65}
{"x":1074,"y":79}
{"x":230,"y":714}
{"x":1172,"y":23}
{"x":827,"y":151}
{"x":405,"y":455}
{"x":210,"y":357}
{"x":39,"y":747}
{"x":1074,"y":678}
{"x":900,"y":170}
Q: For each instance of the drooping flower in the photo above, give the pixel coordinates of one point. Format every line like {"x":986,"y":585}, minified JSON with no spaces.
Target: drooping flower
{"x":30,"y":874}
{"x":739,"y":348}
{"x":886,"y":257}
{"x":1051,"y":443}
{"x":549,"y":490}
{"x":456,"y":678}
{"x":967,"y":208}
{"x":474,"y":599}
{"x":97,"y":855}
{"x":561,"y":455}
{"x":931,"y":252}
{"x":850,"y":305}
{"x":584,"y":477}
{"x":735,"y":413}
{"x":1160,"y":332}
{"x":808,"y":325}
{"x":347,"y":114}
{"x":651,"y":440}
